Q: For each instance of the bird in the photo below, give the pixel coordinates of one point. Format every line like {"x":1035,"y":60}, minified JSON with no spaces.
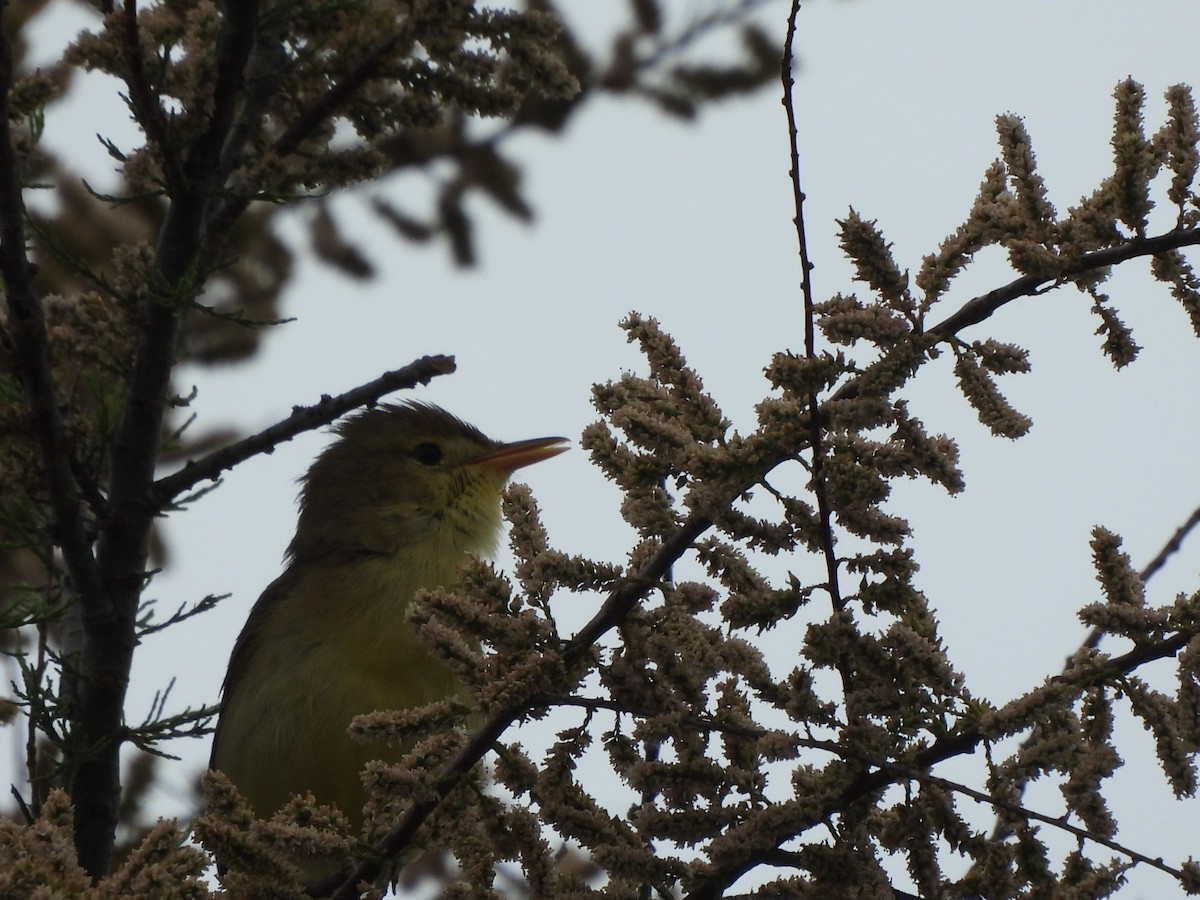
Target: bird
{"x":404,"y":496}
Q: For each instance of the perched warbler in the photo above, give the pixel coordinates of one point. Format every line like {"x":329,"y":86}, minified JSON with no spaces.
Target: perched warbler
{"x":395,"y":505}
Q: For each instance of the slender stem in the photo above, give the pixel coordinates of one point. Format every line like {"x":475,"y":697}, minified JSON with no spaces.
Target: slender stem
{"x":1172,"y":546}
{"x":824,"y":509}
{"x":982,"y":307}
{"x":302,"y":419}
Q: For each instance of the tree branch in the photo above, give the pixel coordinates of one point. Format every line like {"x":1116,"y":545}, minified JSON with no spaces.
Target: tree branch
{"x":982,"y":307}
{"x":979,"y":309}
{"x":810,"y":321}
{"x":235,"y":43}
{"x":574,"y":655}
{"x":1172,"y":546}
{"x":31,"y":354}
{"x":1092,"y":641}
{"x":913,"y":773}
{"x":302,"y":419}
{"x":145,"y":106}
{"x":867,"y":784}
{"x":699,"y":722}
{"x":308,"y":121}
{"x":267,"y":61}
{"x":110,"y":627}
{"x":31,"y":360}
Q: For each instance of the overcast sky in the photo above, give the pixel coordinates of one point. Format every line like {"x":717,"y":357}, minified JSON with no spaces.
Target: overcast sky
{"x":690,"y":223}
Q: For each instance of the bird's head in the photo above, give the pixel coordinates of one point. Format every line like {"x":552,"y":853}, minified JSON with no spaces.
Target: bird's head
{"x":401,"y":478}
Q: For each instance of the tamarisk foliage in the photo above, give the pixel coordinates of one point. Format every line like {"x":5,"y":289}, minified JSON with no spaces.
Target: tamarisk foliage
{"x":818,"y":778}
{"x":813,"y":776}
{"x":241,"y":109}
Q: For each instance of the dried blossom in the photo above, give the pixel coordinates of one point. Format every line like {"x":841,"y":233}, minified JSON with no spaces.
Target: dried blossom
{"x":1177,"y":140}
{"x":981,"y":392}
{"x":1119,"y":345}
{"x":864,"y":244}
{"x":1172,"y":268}
{"x":1114,"y":570}
{"x":1033,"y":205}
{"x":956,"y":251}
{"x":845,"y":320}
{"x":1134,"y":157}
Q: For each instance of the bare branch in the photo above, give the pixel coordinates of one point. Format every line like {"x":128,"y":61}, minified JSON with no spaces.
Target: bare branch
{"x":810,"y":328}
{"x":1172,"y":546}
{"x":302,"y":419}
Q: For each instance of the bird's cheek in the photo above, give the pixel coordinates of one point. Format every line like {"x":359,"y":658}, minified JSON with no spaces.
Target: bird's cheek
{"x":406,"y":524}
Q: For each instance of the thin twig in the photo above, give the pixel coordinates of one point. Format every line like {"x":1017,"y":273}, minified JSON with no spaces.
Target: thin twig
{"x":817,"y":481}
{"x":816,"y":437}
{"x":1171,"y":547}
{"x":182,"y":614}
{"x":691,"y":720}
{"x":145,"y":104}
{"x":982,"y":307}
{"x":302,"y":419}
{"x":908,"y":772}
{"x":26,"y":812}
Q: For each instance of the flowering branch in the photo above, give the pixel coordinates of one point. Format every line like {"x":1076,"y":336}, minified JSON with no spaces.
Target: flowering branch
{"x":564,"y":670}
{"x":979,"y":309}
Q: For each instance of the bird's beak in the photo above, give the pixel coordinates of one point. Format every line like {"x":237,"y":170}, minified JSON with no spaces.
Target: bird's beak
{"x":508,"y":458}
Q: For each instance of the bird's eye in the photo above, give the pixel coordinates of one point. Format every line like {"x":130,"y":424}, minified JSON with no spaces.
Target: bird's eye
{"x":427,"y":454}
